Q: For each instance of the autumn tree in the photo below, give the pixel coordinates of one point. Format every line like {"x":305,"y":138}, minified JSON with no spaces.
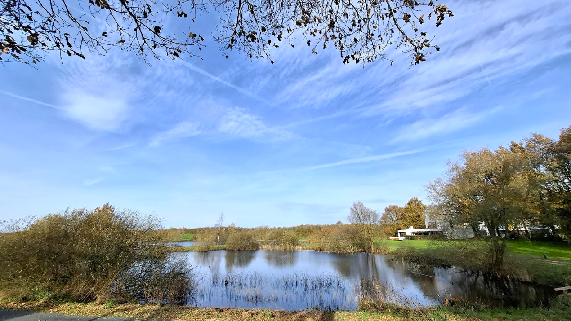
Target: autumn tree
{"x":559,"y":187}
{"x":413,"y":214}
{"x":390,"y":220}
{"x":361,"y":31}
{"x":496,"y":188}
{"x":397,"y":217}
{"x":367,"y":220}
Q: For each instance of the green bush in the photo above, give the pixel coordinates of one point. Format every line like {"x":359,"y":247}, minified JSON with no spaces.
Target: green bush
{"x":84,"y":255}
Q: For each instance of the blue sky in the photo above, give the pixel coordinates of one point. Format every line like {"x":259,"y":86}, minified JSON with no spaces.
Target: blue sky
{"x":291,"y":143}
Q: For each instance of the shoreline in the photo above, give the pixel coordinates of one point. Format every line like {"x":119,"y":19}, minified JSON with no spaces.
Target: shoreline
{"x":521,"y":267}
{"x":384,"y":312}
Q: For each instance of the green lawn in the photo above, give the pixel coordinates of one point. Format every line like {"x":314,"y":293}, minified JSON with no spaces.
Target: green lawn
{"x":537,"y":249}
{"x":188,"y":237}
{"x":554,"y":251}
{"x":417,"y":244}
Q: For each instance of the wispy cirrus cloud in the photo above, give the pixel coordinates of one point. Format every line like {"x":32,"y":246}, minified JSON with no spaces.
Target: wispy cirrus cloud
{"x":513,"y":40}
{"x":179,"y":131}
{"x":93,"y":181}
{"x":239,"y":123}
{"x":448,"y":123}
{"x":226,"y":123}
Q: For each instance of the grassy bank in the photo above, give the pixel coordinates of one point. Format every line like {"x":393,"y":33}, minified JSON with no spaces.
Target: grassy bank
{"x":540,"y":262}
{"x":158,"y":312}
{"x":534,"y":249}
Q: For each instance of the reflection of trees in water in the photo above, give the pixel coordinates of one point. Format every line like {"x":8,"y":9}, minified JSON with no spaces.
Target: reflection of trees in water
{"x":493,"y":290}
{"x":423,"y":276}
{"x":357,"y":266}
{"x":280,"y":258}
{"x":439,"y":283}
{"x":211,"y":260}
{"x":238,"y":259}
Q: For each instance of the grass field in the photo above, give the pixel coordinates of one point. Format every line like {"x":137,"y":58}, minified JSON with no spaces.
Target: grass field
{"x":554,"y":251}
{"x":536,"y":249}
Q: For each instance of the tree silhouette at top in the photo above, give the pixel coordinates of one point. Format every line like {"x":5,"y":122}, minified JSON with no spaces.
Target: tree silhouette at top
{"x":360,"y":30}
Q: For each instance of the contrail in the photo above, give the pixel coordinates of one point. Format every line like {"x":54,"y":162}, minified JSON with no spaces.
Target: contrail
{"x":224,"y":82}
{"x":28,"y":99}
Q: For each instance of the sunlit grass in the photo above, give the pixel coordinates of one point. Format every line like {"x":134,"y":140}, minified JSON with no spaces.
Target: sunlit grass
{"x":553,"y":250}
{"x":537,"y":249}
{"x":188,"y":237}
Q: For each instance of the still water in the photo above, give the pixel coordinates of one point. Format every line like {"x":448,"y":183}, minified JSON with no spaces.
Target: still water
{"x":301,"y":280}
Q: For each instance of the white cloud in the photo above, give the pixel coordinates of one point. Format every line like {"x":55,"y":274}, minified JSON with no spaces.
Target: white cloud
{"x":106,"y":112}
{"x":179,"y":131}
{"x":450,"y":122}
{"x":99,"y":94}
{"x":225,"y":122}
{"x":239,"y":123}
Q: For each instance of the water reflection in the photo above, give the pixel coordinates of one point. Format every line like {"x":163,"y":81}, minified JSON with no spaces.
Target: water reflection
{"x":238,"y":259}
{"x":281,"y":259}
{"x":210,"y":260}
{"x":326,"y":281}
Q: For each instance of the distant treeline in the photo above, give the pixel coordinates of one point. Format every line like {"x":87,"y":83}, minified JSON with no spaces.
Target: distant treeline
{"x":337,"y":237}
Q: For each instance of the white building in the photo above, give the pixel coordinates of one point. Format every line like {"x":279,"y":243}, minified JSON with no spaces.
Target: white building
{"x":411,"y":231}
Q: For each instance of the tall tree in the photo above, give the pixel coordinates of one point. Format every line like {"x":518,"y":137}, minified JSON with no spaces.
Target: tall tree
{"x":366,"y":218}
{"x":487,"y":186}
{"x":219,"y":229}
{"x":560,"y":188}
{"x":413,"y":214}
{"x":361,"y":30}
{"x":390,"y":220}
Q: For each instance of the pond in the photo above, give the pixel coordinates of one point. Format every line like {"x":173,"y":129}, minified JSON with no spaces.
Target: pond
{"x":302,"y":280}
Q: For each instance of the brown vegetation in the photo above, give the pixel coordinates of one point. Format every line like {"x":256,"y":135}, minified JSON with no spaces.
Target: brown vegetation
{"x":90,"y":255}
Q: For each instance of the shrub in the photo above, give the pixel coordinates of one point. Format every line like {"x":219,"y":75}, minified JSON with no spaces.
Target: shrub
{"x":348,"y":238}
{"x":81,"y":255}
{"x":241,"y":240}
{"x":283,"y":239}
{"x":339,"y":238}
{"x":156,"y":282}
